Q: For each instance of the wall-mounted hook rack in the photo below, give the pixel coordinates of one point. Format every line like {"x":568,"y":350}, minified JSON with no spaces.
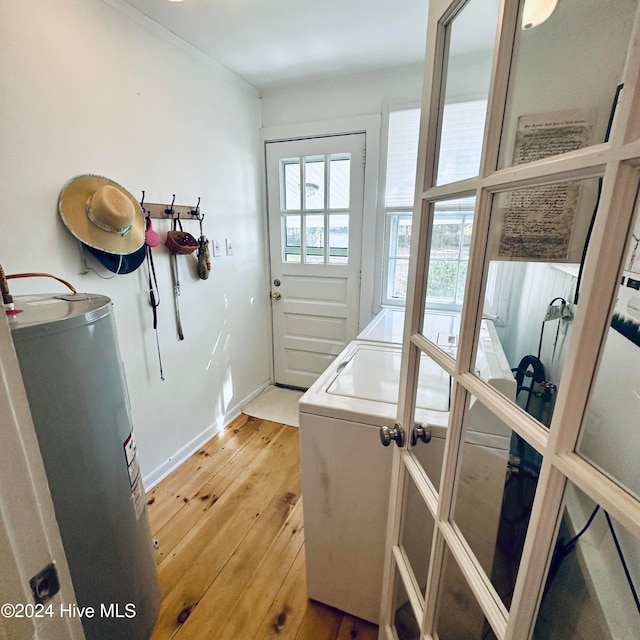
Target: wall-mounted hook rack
{"x":169,"y":212}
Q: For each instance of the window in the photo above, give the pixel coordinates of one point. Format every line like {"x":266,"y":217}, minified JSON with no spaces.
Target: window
{"x":317,"y":212}
{"x":453,"y":219}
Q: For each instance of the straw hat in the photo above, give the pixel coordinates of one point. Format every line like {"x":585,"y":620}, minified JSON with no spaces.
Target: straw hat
{"x":102,"y":214}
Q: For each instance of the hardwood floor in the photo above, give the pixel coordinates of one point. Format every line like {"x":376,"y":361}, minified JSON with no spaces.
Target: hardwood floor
{"x":230,"y":543}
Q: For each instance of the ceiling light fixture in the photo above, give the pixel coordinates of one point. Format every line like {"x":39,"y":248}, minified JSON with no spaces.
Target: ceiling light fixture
{"x":535,"y":12}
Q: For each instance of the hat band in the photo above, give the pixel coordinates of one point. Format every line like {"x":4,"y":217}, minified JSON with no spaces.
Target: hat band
{"x":105,"y":227}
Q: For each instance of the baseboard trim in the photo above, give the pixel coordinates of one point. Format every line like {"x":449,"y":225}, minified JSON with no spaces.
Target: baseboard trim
{"x":173,"y":462}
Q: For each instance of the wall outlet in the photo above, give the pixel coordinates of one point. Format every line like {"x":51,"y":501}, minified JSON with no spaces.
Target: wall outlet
{"x":229,"y":247}
{"x":216,"y":249}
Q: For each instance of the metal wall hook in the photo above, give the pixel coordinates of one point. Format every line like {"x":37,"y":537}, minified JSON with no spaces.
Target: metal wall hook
{"x":196,"y":212}
{"x":142,"y":203}
{"x":170,"y":211}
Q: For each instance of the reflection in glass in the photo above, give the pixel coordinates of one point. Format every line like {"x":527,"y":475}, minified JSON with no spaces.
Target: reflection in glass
{"x":338,"y":239}
{"x":564,"y":79}
{"x":609,"y":438}
{"x":592,"y":586}
{"x":314,"y":183}
{"x":291,"y":238}
{"x":291,"y":184}
{"x":494,"y":495}
{"x":449,"y":255}
{"x":432,"y":411}
{"x":535,"y":249}
{"x":468,"y":71}
{"x":417,"y":532}
{"x":404,"y":620}
{"x":314,"y":239}
{"x":339,"y":182}
{"x":459,"y":615}
{"x":442,"y":328}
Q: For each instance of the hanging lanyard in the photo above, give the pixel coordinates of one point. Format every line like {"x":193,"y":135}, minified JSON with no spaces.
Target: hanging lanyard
{"x":154,"y":301}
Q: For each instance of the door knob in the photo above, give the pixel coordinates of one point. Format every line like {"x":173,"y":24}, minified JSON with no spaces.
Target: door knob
{"x":394,"y":433}
{"x":276,"y":296}
{"x":420,"y":432}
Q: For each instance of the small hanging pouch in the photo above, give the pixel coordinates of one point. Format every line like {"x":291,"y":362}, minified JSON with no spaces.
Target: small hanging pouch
{"x":204,"y":258}
{"x":151,"y":236}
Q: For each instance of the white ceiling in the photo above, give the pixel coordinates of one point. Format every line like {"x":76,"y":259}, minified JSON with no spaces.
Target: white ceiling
{"x":274,"y":42}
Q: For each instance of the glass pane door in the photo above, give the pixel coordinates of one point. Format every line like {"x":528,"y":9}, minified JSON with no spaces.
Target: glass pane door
{"x":515,"y":501}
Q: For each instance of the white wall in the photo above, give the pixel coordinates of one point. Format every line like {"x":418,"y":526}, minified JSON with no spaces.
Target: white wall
{"x":342,"y":96}
{"x":87,"y":89}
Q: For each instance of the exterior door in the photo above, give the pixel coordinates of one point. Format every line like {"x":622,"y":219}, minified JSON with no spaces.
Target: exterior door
{"x":527,"y":522}
{"x":315,"y":200}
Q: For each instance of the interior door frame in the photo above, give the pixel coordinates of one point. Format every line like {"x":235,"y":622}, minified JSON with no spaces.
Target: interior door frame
{"x":370,"y":125}
{"x":618,"y":162}
{"x":29,"y":535}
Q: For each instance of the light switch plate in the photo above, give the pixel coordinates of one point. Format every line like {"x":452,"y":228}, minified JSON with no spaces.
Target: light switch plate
{"x":216,"y":249}
{"x":229,"y":247}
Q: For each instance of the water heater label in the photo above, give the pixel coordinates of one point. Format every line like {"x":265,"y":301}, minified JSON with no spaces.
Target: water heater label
{"x":137,"y":494}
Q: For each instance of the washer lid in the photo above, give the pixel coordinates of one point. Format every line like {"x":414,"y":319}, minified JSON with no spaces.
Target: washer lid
{"x":439,"y":327}
{"x":372,"y":373}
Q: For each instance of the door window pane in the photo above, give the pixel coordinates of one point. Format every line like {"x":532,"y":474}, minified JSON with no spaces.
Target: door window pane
{"x":564,"y":79}
{"x":449,"y":255}
{"x":468,"y":71}
{"x":314,"y":235}
{"x":338,"y":239}
{"x":314,"y":183}
{"x":459,"y":615}
{"x":594,"y":576}
{"x":404,"y":619}
{"x":536,"y":245}
{"x":433,"y":401}
{"x":417,"y":532}
{"x":609,"y":438}
{"x":291,"y":187}
{"x":494,"y":494}
{"x":291,"y":237}
{"x":339,"y":182}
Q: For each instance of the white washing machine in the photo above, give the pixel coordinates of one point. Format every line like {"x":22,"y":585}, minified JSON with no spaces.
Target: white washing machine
{"x":346,"y":471}
{"x":388,"y":326}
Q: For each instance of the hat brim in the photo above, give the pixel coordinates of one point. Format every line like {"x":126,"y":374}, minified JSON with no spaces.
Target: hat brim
{"x":72,"y":207}
{"x":119,"y":263}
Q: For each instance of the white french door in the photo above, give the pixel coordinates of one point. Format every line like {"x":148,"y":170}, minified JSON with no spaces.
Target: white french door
{"x":315,"y":202}
{"x":528,"y":523}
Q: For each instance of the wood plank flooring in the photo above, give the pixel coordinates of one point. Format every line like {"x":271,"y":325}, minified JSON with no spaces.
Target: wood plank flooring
{"x":230,"y":544}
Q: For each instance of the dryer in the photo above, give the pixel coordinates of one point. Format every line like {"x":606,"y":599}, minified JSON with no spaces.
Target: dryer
{"x":346,"y":472}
